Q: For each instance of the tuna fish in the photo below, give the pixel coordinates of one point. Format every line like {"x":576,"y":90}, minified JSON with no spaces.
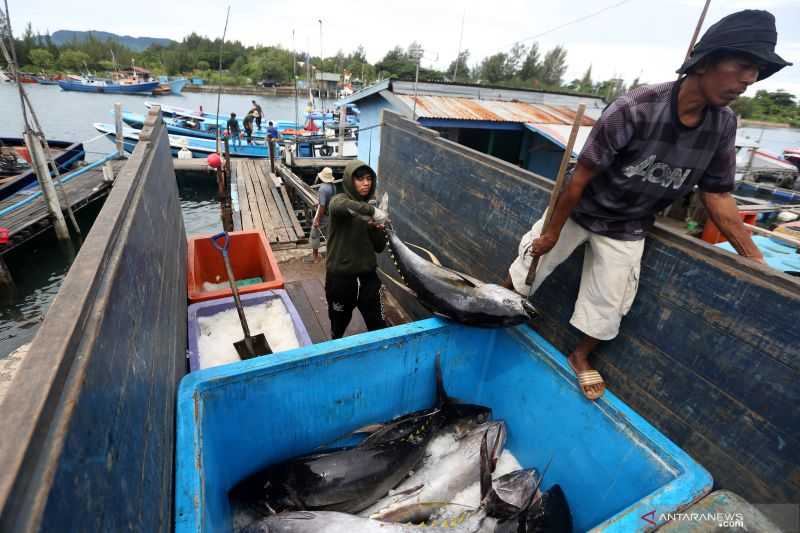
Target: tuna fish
{"x":351,"y":479}
{"x":451,"y":464}
{"x":455,"y":295}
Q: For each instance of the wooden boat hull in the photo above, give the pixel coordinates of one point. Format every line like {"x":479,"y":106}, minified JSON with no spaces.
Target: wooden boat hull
{"x":69,"y":154}
{"x":709,"y":351}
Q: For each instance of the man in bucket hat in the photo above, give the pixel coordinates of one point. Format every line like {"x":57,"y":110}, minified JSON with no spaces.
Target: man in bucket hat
{"x":320,"y":224}
{"x":650,"y":147}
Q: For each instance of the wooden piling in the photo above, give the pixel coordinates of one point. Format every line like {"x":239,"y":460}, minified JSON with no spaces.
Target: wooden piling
{"x":118,"y":128}
{"x":271,"y":144}
{"x":48,"y":190}
{"x":342,"y":120}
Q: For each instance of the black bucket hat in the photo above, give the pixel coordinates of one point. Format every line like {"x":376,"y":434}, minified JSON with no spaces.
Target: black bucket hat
{"x":750,"y":32}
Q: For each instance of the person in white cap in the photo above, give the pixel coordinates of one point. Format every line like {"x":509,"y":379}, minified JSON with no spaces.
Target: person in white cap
{"x":319,"y":226}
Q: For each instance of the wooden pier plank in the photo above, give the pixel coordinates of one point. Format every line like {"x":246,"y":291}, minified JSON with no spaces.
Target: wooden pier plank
{"x":255,"y":209}
{"x":32,"y":219}
{"x":310,"y":320}
{"x":298,"y":229}
{"x":266,"y":185}
{"x":269,"y":212}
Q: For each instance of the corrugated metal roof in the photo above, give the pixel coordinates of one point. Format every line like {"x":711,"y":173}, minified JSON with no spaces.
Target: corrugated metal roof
{"x":559,"y":134}
{"x":449,"y":107}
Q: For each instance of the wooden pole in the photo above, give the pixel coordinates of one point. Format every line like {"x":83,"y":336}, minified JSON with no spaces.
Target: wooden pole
{"x":697,"y":30}
{"x":6,"y":281}
{"x":342,"y":120}
{"x":118,"y":127}
{"x":48,"y":190}
{"x":562,"y":171}
{"x":271,"y":144}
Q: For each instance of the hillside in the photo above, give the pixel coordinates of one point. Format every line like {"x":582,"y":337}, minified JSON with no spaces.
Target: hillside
{"x":137,"y":44}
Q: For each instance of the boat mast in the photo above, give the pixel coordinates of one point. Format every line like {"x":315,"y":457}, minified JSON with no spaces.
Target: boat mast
{"x":219,"y":80}
{"x":294,"y":77}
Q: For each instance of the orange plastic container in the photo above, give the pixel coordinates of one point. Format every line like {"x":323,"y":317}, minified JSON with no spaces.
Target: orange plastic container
{"x":250,"y":255}
{"x":712,"y":234}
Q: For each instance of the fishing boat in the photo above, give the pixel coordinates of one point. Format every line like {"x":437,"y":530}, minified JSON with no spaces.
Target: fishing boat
{"x":4,"y":77}
{"x":198,"y":147}
{"x":757,"y":164}
{"x":190,"y":127}
{"x":94,"y":85}
{"x":175,"y":86}
{"x":793,"y":156}
{"x":15,"y":170}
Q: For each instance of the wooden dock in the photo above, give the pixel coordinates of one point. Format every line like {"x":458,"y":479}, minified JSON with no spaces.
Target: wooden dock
{"x":264,"y":204}
{"x":33,"y":218}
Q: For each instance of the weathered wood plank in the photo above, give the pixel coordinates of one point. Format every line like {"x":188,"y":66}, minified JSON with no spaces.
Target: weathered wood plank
{"x":306,"y":312}
{"x":256,"y":210}
{"x":708,"y":353}
{"x":92,"y":406}
{"x":244,"y":198}
{"x":298,"y":229}
{"x":269,"y":211}
{"x":265,"y":187}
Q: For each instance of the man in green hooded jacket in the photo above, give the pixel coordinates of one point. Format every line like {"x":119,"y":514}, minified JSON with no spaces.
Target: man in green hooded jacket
{"x":355,"y":236}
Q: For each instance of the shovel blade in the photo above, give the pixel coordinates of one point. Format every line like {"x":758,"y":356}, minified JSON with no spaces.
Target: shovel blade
{"x":250,"y":347}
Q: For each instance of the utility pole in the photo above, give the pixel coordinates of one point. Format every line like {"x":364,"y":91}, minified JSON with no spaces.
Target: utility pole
{"x":321,"y":71}
{"x":460,"y":40}
{"x":416,"y":52}
{"x":294,"y":77}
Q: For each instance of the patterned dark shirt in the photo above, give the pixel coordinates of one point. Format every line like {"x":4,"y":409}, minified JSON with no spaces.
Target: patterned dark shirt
{"x":645,"y":159}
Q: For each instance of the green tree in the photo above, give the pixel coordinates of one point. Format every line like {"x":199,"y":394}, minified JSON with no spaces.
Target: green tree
{"x":41,"y":58}
{"x":493,"y":68}
{"x":463,"y":69}
{"x":585,"y":84}
{"x":554,"y":66}
{"x":73,"y":59}
{"x":202,"y":65}
{"x":531,"y":66}
{"x":514,"y":61}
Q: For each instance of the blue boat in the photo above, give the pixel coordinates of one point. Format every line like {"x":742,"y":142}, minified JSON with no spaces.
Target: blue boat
{"x":175,"y":86}
{"x":198,"y":147}
{"x":65,"y":154}
{"x":92,"y":85}
{"x":190,"y":127}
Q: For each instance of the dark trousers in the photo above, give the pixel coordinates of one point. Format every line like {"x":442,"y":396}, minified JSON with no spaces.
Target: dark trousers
{"x":345,"y":292}
{"x":258,"y":122}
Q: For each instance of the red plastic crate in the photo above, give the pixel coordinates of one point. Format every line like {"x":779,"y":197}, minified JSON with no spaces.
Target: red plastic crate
{"x":712,"y":234}
{"x":250,"y":255}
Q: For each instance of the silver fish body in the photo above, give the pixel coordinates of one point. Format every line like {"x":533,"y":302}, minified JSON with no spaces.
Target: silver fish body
{"x":458,"y":296}
{"x":443,"y":473}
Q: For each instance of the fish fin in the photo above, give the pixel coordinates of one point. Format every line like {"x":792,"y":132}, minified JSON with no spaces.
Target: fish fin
{"x":383,"y":205}
{"x":486,"y":472}
{"x":433,"y":258}
{"x":369,"y":428}
{"x":495,"y":448}
{"x":399,"y":285}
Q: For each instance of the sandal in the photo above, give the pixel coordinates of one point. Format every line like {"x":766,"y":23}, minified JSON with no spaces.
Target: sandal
{"x":588,"y":378}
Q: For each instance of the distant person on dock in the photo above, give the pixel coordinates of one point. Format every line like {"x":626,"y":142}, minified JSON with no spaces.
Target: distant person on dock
{"x":272,"y":131}
{"x":248,"y":127}
{"x":649,"y":148}
{"x":258,"y":113}
{"x":234,"y":132}
{"x":319,"y":226}
{"x":355,"y":236}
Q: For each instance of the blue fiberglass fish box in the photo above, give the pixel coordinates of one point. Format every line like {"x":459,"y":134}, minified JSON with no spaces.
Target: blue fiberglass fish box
{"x":614,"y":467}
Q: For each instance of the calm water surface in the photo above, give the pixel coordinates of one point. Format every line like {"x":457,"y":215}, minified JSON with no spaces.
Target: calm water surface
{"x":40,"y":265}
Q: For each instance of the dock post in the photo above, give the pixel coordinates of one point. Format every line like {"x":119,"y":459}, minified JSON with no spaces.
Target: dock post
{"x":342,"y":119}
{"x":118,"y":127}
{"x":6,"y":281}
{"x":272,"y":154}
{"x":48,"y":190}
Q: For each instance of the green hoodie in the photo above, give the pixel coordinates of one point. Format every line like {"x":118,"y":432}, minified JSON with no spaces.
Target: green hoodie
{"x":352,"y":243}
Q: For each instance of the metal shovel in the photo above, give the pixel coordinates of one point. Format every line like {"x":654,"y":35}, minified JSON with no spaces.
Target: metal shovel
{"x":248,"y":347}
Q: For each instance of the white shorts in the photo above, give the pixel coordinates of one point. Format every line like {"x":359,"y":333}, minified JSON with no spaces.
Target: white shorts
{"x":609,"y":279}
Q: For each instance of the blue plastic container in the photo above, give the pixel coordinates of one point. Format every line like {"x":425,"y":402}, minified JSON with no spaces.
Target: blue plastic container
{"x":212,"y":307}
{"x":613,"y":466}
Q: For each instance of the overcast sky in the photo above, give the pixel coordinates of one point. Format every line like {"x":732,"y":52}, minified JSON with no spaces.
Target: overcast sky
{"x":646,"y":38}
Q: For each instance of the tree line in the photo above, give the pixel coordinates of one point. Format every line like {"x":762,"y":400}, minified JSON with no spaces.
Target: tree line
{"x":522,"y":66}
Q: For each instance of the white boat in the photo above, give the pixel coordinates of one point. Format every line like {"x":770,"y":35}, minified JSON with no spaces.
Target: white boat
{"x":3,"y":76}
{"x":756,"y":164}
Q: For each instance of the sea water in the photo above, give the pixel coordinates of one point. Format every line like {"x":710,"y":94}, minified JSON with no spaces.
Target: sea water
{"x":218,"y":332}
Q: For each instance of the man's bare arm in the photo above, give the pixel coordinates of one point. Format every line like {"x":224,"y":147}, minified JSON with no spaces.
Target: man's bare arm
{"x":566,"y":203}
{"x":722,"y":209}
